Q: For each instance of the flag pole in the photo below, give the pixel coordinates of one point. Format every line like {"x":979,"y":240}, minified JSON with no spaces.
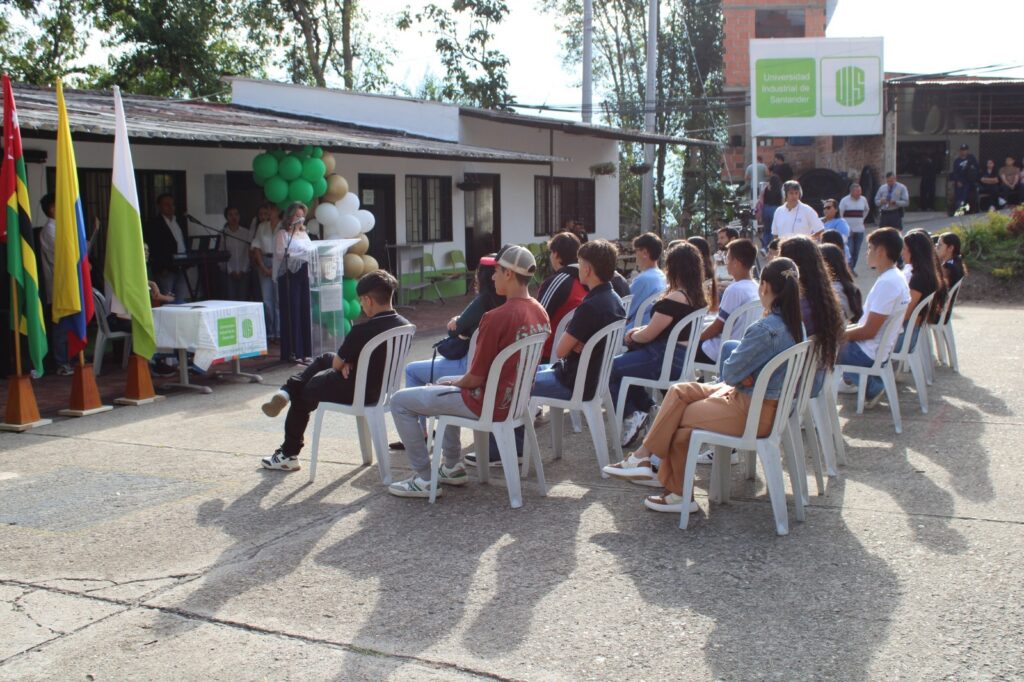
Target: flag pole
{"x":17,"y":326}
{"x":22,"y":411}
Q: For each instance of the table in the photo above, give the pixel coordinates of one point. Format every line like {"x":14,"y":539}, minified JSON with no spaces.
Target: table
{"x":216,"y":331}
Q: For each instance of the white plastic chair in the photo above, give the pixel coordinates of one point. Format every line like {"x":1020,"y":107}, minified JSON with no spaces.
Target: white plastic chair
{"x":734,"y":328}
{"x":824,"y":416}
{"x":882,"y":367}
{"x":612,"y":336}
{"x":627,"y":301}
{"x":526,"y":353}
{"x":795,"y":438}
{"x":694,"y":323}
{"x":942,"y":332}
{"x":373,"y":432}
{"x":644,"y":306}
{"x":105,"y":334}
{"x":574,"y":416}
{"x":769,"y":449}
{"x":914,"y":358}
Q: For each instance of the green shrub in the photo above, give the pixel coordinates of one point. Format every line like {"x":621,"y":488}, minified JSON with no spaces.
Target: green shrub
{"x":994,"y":244}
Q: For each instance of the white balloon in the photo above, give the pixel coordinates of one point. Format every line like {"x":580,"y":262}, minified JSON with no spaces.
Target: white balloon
{"x":327,"y":214}
{"x":313,"y":226}
{"x":348,"y":227}
{"x":348,"y":203}
{"x":366,"y":220}
{"x":332,"y":231}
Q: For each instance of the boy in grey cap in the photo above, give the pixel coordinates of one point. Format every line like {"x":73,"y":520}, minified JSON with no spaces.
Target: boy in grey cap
{"x":519,"y":316}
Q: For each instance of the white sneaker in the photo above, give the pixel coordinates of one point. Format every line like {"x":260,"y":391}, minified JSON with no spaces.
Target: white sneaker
{"x":414,"y":486}
{"x":280,"y":462}
{"x":846,"y":387}
{"x":670,"y":503}
{"x":455,"y":475}
{"x":630,"y":469}
{"x":631,"y":426}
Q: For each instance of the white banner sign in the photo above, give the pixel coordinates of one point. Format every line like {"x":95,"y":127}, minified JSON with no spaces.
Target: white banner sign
{"x":816,"y":86}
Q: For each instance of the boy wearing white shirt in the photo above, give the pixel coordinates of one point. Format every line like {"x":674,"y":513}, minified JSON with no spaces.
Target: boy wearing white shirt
{"x":889,"y":296}
{"x":794,"y":216}
{"x":740,"y":257}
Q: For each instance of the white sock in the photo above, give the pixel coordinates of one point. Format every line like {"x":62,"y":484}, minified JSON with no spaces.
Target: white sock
{"x":284,"y":394}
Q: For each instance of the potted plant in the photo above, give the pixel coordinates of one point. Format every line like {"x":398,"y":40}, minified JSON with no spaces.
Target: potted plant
{"x":606,"y":168}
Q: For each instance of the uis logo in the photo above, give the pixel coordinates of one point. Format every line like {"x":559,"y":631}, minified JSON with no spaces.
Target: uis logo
{"x":850,"y":86}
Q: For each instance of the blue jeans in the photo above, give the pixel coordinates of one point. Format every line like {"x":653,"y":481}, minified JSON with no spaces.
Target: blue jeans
{"x":547,"y":385}
{"x":418,"y":373}
{"x":856,"y":241}
{"x":852,"y":354}
{"x":767,"y":216}
{"x":644,"y":362}
{"x":913,"y":337}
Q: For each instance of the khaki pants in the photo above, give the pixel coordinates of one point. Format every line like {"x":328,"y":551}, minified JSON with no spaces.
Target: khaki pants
{"x":711,"y":407}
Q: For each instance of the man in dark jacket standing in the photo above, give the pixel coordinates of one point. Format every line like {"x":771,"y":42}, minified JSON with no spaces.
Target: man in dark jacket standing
{"x":964,"y":176}
{"x":166,"y":238}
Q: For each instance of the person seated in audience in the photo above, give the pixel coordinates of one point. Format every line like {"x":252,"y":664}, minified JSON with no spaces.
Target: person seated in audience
{"x":1009,"y":183}
{"x":332,"y":376}
{"x":561,"y":292}
{"x":649,"y":281}
{"x":710,"y":284}
{"x":889,"y":296}
{"x":773,"y":250}
{"x":819,"y":307}
{"x":919,"y":254}
{"x":620,"y":285}
{"x":647,"y":344}
{"x":834,"y":223}
{"x":599,"y":308}
{"x":842,"y":282}
{"x":521,"y":315}
{"x":720,"y":407}
{"x":741,"y":254}
{"x":723,"y":236}
{"x":988,"y":187}
{"x":947,"y":248}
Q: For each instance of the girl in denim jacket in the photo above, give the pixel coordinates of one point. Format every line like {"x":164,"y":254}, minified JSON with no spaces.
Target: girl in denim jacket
{"x":721,"y":407}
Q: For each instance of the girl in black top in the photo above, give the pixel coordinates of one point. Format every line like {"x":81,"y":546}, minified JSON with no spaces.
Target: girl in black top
{"x":648,"y":344}
{"x":988,"y":187}
{"x":947,"y":249}
{"x":842,"y":281}
{"x":919,"y":253}
{"x":710,"y":286}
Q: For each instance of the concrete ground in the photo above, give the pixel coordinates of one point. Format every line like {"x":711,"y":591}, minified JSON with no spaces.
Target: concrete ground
{"x":146,"y":543}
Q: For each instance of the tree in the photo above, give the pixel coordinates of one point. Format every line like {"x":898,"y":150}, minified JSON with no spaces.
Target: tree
{"x":177,"y":48}
{"x":321,"y":39}
{"x":50,"y":51}
{"x":476,"y":73}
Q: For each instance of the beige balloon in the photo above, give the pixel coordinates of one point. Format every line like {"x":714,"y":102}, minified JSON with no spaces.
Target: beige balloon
{"x":354,"y":265}
{"x":361,"y":248}
{"x":370,"y":263}
{"x":337,"y":188}
{"x":329,"y":161}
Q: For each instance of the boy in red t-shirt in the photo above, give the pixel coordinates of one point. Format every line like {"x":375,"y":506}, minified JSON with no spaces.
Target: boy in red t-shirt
{"x":518,"y":317}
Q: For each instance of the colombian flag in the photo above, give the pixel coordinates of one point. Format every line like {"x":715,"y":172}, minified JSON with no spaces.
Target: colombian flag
{"x":72,"y":285}
{"x":16,"y":230}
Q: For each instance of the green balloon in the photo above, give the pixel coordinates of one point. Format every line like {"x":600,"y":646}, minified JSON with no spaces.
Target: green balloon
{"x":283,"y":205}
{"x":276,"y":189}
{"x":308,"y":150}
{"x":352,"y":311}
{"x":320,"y":187}
{"x":318,"y":153}
{"x":258,"y":180}
{"x":277,"y":153}
{"x":348,"y":327}
{"x":264,"y":166}
{"x":313,"y":170}
{"x":348,"y":289}
{"x":290,"y":168}
{"x":300,"y":190}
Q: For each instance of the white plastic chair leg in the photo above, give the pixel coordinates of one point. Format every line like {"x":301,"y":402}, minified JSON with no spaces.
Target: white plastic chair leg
{"x":506,"y":439}
{"x":721,"y":475}
{"x":595,"y":421}
{"x":892,"y":394}
{"x":792,"y":445}
{"x":927,"y":356}
{"x":832,"y":410}
{"x":482,"y":447}
{"x":751,"y":464}
{"x":951,"y":347}
{"x":435,"y":462}
{"x":365,"y":441}
{"x":772,"y":465}
{"x":615,"y":423}
{"x":97,"y":354}
{"x":814,"y":444}
{"x":557,"y":425}
{"x":819,"y":418}
{"x":688,"y":476}
{"x":920,"y":383}
{"x":533,"y":452}
{"x":862,"y":388}
{"x":379,"y":435}
{"x":318,"y":422}
{"x":574,"y":417}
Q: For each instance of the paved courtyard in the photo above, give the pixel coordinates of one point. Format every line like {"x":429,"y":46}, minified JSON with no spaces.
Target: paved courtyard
{"x":146,"y":543}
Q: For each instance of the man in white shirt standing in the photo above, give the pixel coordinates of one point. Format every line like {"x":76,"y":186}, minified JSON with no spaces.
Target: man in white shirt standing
{"x":854,"y":208}
{"x":166,"y":239}
{"x":889,"y":296}
{"x":47,"y":246}
{"x":794,"y":216}
{"x":892,"y":199}
{"x":236,"y":240}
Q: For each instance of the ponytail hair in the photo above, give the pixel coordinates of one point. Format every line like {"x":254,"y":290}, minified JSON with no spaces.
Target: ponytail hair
{"x":952,"y":239}
{"x":783,"y":278}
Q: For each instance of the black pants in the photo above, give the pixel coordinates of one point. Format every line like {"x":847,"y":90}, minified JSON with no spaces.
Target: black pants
{"x":1011,"y":195}
{"x":892,"y":218}
{"x":293,"y":301}
{"x":315,"y":384}
{"x":927,"y":193}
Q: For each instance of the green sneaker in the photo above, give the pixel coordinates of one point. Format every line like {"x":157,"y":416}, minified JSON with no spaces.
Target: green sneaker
{"x":414,"y":486}
{"x":455,"y":475}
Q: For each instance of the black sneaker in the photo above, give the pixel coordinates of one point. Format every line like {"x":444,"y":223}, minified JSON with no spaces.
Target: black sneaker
{"x":397,"y":445}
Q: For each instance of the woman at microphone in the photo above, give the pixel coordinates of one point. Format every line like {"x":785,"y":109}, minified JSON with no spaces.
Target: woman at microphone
{"x":292,"y":248}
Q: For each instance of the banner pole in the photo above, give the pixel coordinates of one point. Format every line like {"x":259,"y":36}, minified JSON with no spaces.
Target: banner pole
{"x":17,"y":326}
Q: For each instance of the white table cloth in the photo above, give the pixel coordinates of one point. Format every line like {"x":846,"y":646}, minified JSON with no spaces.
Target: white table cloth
{"x":216,"y":331}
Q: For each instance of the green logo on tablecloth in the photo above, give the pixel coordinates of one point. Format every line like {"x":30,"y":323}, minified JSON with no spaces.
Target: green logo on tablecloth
{"x":247,"y":329}
{"x":785,"y":88}
{"x":227,"y":331}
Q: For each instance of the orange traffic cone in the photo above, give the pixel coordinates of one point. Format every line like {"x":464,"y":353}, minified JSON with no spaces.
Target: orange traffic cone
{"x":22,"y":412}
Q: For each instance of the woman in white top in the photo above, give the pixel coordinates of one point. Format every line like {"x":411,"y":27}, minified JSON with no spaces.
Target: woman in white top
{"x":262,"y":253}
{"x":291,"y":272}
{"x":236,"y":240}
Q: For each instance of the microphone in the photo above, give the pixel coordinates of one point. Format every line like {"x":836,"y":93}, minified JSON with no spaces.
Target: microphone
{"x":192,"y":219}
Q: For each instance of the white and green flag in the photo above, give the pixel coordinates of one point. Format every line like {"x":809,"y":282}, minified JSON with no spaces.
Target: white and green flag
{"x":125,"y":268}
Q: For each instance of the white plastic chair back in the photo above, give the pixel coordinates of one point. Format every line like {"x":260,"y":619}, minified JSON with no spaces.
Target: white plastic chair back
{"x":528,"y":351}
{"x":693,"y":325}
{"x":627,"y":300}
{"x":99,"y":302}
{"x":472,"y":347}
{"x":793,"y":359}
{"x":744,"y":316}
{"x":104,"y":334}
{"x":559,"y":330}
{"x":903,"y":351}
{"x":397,"y":342}
{"x":951,"y":295}
{"x":645,"y":305}
{"x":612,"y":336}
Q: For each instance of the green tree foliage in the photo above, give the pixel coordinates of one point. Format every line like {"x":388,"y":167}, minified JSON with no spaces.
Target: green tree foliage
{"x":620,"y":58}
{"x":40,"y":42}
{"x":177,"y":48}
{"x":476,"y":73}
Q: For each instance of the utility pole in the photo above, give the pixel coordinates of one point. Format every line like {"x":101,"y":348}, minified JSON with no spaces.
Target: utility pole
{"x":588,"y":60}
{"x":647,"y":193}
